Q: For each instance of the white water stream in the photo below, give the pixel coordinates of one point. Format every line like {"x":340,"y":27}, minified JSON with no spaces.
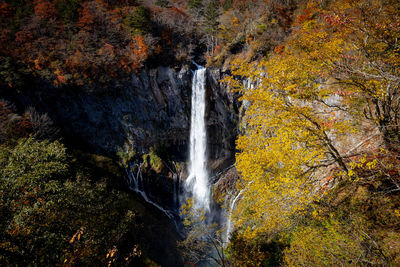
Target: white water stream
{"x":136,"y":184}
{"x":197,"y":182}
{"x":229,"y":219}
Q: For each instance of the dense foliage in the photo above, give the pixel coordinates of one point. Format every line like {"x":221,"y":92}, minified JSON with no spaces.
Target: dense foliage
{"x":97,"y":43}
{"x":323,"y":113}
{"x":54,"y":210}
{"x":73,"y":41}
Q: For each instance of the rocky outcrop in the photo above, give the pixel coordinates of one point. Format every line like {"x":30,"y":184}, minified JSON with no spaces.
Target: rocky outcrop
{"x":222,"y":120}
{"x":149,"y":110}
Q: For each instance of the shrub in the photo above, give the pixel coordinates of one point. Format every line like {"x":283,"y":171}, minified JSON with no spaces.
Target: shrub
{"x":155,"y":161}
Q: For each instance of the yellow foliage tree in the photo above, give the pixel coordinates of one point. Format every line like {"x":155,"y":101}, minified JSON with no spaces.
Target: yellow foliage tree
{"x":303,"y":102}
{"x":328,"y":245}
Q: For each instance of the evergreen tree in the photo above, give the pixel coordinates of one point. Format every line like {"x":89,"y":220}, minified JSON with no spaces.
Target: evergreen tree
{"x":211,"y":15}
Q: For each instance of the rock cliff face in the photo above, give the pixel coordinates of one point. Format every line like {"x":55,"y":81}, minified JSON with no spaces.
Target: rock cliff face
{"x":222,"y":120}
{"x":151,"y":110}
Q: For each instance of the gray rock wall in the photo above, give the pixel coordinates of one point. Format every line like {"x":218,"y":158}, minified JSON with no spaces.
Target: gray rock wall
{"x":149,"y":110}
{"x":152,"y":109}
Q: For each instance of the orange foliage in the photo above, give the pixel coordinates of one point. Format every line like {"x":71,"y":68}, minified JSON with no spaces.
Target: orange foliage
{"x":139,"y":50}
{"x":217,"y":48}
{"x":86,"y":18}
{"x":61,"y":79}
{"x":140,"y":45}
{"x":44,"y":9}
{"x":235,"y":21}
{"x":23,"y":36}
{"x":93,"y":48}
{"x":108,"y":50}
{"x":180,"y":11}
{"x":303,"y":17}
{"x":37,"y":64}
{"x":335,"y":20}
{"x":279,"y":49}
{"x":5,"y":8}
{"x":308,"y":13}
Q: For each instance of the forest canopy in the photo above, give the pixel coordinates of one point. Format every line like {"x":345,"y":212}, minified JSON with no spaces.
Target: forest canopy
{"x":99,"y":42}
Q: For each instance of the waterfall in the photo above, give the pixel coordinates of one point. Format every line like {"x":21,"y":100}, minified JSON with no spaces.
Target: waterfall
{"x":228,"y":225}
{"x":197,"y":182}
{"x":229,"y":222}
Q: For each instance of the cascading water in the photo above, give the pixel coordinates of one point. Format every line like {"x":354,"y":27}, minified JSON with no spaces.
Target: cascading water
{"x":197,"y":182}
{"x":135,"y":182}
{"x":228,"y":222}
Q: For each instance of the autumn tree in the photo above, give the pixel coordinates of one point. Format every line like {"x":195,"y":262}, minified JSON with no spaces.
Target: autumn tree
{"x":370,"y":65}
{"x":306,"y":104}
{"x":203,"y":242}
{"x":286,"y":140}
{"x":354,"y":223}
